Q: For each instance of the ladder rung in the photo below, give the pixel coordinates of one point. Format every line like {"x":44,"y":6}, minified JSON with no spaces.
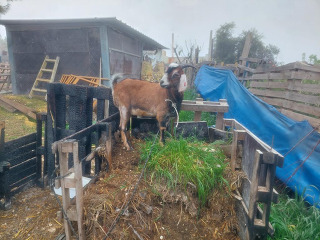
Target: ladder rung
{"x":50,"y":60}
{"x":39,"y":90}
{"x":43,"y":80}
{"x":46,"y":70}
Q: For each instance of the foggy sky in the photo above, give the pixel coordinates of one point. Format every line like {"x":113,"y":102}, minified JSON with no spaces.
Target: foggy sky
{"x":291,"y":25}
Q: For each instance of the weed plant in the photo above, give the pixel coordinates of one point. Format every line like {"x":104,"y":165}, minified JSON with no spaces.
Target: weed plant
{"x":184,"y":160}
{"x":292,"y":219}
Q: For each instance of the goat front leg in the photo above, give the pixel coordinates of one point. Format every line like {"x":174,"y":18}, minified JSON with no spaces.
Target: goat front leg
{"x":163,"y":126}
{"x":124,"y":118}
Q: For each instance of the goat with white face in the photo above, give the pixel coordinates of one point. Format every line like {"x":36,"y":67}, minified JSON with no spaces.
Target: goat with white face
{"x":146,"y":99}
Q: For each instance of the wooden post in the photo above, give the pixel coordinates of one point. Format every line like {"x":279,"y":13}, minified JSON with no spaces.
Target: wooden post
{"x":238,"y":135}
{"x":2,"y":134}
{"x":38,"y":147}
{"x":253,"y":195}
{"x":79,"y":190}
{"x":219,"y":119}
{"x":197,"y":114}
{"x":210,"y":47}
{"x":63,"y":159}
{"x":71,"y":180}
{"x":109,"y":146}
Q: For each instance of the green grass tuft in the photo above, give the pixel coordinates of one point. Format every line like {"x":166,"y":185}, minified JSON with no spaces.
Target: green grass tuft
{"x":182,"y":161}
{"x":292,"y":219}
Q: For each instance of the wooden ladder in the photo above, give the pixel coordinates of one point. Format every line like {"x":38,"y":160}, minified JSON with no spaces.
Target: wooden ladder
{"x":40,"y":84}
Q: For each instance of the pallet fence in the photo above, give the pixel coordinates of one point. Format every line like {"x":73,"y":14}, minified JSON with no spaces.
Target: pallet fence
{"x":294,"y":89}
{"x":258,"y":161}
{"x":21,"y":162}
{"x":70,"y":110}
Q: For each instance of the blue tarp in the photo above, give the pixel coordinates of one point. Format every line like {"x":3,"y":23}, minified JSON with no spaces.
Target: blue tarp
{"x":301,"y":169}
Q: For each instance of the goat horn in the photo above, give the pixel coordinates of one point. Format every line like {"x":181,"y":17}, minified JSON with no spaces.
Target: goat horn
{"x":187,"y":65}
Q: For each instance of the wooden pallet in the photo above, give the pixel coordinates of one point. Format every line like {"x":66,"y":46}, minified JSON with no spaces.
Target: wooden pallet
{"x":81,"y":80}
{"x":258,"y":161}
{"x":40,"y":85}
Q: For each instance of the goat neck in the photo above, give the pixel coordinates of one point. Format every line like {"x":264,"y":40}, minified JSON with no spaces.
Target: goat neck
{"x":175,"y":96}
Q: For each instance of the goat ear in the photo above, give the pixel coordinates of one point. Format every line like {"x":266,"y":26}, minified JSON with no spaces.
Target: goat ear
{"x":183,"y":83}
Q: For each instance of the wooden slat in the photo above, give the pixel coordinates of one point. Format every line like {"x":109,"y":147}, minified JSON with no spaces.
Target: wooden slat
{"x":305,"y":87}
{"x":270,"y":76}
{"x":287,"y":95}
{"x":19,"y":159}
{"x":294,"y":86}
{"x":205,"y":107}
{"x":7,"y":106}
{"x":17,"y":143}
{"x":255,"y":84}
{"x":292,"y":66}
{"x":22,"y":184}
{"x":284,"y":75}
{"x":26,"y":110}
{"x":23,"y":170}
{"x":303,"y":75}
{"x":315,"y":122}
{"x":299,"y":107}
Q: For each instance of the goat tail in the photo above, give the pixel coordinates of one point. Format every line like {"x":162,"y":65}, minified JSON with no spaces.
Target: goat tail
{"x":115,"y":78}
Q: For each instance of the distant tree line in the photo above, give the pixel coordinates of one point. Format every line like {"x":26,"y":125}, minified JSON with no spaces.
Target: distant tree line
{"x":5,"y":7}
{"x":228,"y":48}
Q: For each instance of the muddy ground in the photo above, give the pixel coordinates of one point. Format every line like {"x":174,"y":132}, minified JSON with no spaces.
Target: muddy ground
{"x":154,"y":212}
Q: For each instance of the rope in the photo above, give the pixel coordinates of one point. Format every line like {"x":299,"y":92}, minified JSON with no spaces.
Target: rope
{"x":301,"y":140}
{"x":124,"y":206}
{"x":175,"y":108}
{"x":296,"y":170}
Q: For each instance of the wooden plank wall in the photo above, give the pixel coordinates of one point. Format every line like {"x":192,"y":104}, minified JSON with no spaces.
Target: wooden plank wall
{"x":294,"y":89}
{"x":71,"y":110}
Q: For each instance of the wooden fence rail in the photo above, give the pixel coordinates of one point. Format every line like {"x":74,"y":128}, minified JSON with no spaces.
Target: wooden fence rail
{"x":293,"y":88}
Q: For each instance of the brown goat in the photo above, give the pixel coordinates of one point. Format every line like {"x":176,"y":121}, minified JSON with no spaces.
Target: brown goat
{"x":146,"y":99}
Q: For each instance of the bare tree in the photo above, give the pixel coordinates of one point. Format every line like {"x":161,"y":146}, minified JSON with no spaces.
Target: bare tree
{"x":189,"y":55}
{"x":4,"y":8}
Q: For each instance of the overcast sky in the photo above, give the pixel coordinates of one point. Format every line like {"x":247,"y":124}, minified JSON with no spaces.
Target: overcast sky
{"x":291,"y":25}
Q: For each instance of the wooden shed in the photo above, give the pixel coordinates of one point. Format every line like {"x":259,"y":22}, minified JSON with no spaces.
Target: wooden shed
{"x":84,"y":46}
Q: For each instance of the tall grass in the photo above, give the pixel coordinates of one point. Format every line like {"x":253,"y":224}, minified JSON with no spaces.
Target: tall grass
{"x":293,"y":220}
{"x":182,"y":161}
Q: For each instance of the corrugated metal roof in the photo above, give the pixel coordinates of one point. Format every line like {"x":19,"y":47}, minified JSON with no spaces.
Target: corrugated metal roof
{"x":38,"y":24}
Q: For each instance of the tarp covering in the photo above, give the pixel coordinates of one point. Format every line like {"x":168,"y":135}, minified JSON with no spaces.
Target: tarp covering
{"x":298,"y":142}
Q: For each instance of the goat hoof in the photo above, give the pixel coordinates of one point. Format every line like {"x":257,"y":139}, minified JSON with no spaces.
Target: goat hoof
{"x":129,"y":147}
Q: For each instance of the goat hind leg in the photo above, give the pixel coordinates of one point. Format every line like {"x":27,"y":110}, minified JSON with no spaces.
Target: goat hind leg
{"x":124,"y":118}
